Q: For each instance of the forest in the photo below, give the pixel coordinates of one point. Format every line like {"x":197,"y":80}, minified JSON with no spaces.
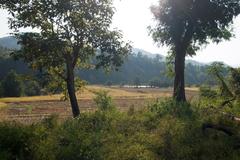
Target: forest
{"x":147,"y":68}
{"x":72,"y":87}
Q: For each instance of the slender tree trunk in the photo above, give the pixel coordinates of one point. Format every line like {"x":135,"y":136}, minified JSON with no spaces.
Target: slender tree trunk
{"x":71,"y":90}
{"x":179,"y":82}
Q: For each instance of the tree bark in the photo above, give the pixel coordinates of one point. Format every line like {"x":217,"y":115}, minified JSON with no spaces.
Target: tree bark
{"x":71,"y":90}
{"x":179,"y":82}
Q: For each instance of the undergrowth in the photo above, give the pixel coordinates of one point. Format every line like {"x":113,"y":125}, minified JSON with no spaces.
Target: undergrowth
{"x":164,"y":130}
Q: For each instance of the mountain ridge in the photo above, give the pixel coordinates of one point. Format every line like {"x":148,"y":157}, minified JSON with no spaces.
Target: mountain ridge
{"x":143,"y":65}
{"x":10,"y":42}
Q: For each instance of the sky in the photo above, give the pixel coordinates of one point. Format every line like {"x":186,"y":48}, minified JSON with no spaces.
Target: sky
{"x":133,"y":17}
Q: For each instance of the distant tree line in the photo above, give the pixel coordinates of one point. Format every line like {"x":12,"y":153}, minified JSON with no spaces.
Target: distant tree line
{"x":143,"y":70}
{"x":138,"y":69}
{"x":15,"y":85}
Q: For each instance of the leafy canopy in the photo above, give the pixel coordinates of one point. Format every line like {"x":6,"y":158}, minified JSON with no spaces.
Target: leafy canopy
{"x":71,"y":31}
{"x":193,"y":22}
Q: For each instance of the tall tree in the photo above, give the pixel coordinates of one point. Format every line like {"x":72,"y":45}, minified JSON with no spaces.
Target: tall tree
{"x":185,"y":25}
{"x":12,"y":85}
{"x":71,"y":32}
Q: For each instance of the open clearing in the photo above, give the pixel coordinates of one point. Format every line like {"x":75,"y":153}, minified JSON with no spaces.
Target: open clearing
{"x":31,"y":109}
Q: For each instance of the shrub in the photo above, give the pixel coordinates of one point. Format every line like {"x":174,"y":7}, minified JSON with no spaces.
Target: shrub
{"x":171,"y":107}
{"x":15,"y":142}
{"x":103,"y":100}
{"x":81,"y":138}
{"x":235,"y":81}
{"x":165,"y":130}
{"x":207,"y":92}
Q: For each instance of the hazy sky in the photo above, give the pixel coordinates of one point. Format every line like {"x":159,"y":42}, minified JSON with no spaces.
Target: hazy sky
{"x":133,"y":17}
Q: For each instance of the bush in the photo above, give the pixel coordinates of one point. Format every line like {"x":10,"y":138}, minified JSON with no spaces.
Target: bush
{"x":103,"y":101}
{"x":164,"y":130}
{"x":235,"y":81}
{"x":15,"y":142}
{"x":171,"y":107}
{"x":207,"y":92}
{"x":12,"y":85}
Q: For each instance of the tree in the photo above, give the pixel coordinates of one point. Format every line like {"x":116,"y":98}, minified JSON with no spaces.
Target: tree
{"x":72,"y":32}
{"x":235,"y":81}
{"x":227,"y":78}
{"x":160,"y":82}
{"x":12,"y":85}
{"x":158,"y":58}
{"x":137,"y":81}
{"x":1,"y":89}
{"x":109,"y":83}
{"x":217,"y":69}
{"x":185,"y":25}
{"x":155,"y":82}
{"x":32,"y":88}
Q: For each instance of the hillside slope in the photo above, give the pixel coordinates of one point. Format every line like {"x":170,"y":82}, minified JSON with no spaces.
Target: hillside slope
{"x":140,"y":64}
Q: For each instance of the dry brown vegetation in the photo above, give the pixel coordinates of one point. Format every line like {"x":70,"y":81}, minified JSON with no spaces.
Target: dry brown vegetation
{"x":31,"y":109}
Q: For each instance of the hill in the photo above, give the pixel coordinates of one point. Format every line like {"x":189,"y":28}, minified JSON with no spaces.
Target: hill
{"x":142,"y":65}
{"x":9,"y":42}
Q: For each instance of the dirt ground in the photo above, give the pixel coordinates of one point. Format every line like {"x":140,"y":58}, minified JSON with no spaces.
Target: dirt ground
{"x":29,"y":110}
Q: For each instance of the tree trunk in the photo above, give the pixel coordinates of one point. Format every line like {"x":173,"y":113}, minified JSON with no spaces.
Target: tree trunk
{"x":71,"y":90}
{"x":179,"y":83}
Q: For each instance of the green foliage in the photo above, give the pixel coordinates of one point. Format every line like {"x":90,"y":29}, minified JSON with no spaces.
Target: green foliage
{"x":228,"y":85}
{"x":147,"y":68}
{"x":217,"y":69}
{"x":206,"y":91}
{"x":186,"y":25}
{"x":170,"y":65}
{"x":164,"y":130}
{"x":52,"y":44}
{"x":7,"y":64}
{"x":103,"y":101}
{"x":71,"y":34}
{"x":235,"y":81}
{"x":172,"y":107}
{"x":193,"y":23}
{"x":136,"y":81}
{"x":12,"y":85}
{"x":18,"y":85}
{"x":15,"y":142}
{"x":224,"y":100}
{"x":160,"y":82}
{"x":32,"y":88}
{"x":1,"y":89}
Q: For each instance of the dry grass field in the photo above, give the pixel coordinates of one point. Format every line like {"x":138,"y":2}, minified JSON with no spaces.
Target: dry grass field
{"x":31,"y":109}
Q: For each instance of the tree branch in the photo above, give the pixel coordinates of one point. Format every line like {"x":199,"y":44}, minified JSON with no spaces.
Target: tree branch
{"x":60,"y":75}
{"x":75,"y":55}
{"x":223,"y":129}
